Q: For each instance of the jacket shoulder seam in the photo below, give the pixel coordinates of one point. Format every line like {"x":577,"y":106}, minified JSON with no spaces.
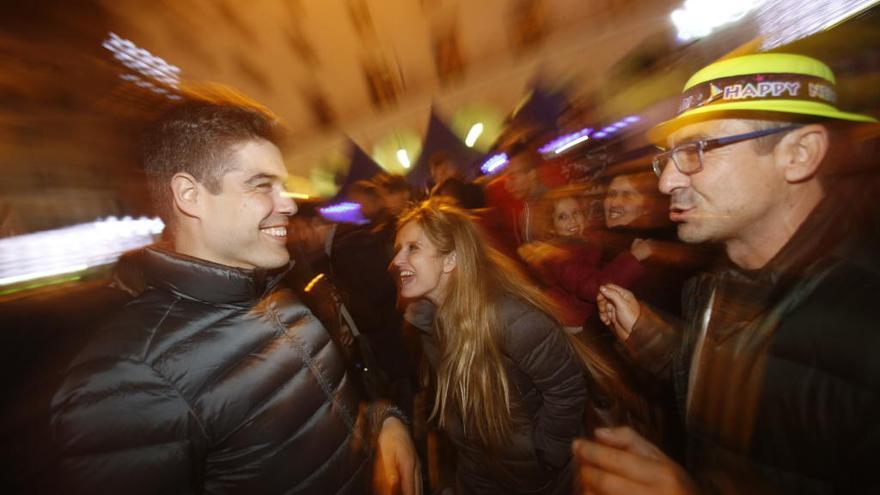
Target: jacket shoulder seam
{"x":155,"y":328}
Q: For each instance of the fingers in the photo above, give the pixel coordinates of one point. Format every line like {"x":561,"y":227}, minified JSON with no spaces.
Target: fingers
{"x":608,"y":314}
{"x":611,"y":314}
{"x":622,"y":301}
{"x":617,"y":294}
{"x":595,"y":481}
{"x":628,"y":439}
{"x":622,"y":462}
{"x":407,"y":478}
{"x":409,"y":470}
{"x":614,"y":312}
{"x":384,"y":479}
{"x":615,"y":461}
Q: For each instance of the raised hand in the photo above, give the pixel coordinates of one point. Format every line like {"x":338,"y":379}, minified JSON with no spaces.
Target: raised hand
{"x":618,"y":308}
{"x":642,"y":248}
{"x":620,"y":462}
{"x":397,"y":469}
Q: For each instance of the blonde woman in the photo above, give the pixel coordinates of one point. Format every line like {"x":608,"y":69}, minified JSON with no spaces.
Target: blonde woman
{"x":510,"y":390}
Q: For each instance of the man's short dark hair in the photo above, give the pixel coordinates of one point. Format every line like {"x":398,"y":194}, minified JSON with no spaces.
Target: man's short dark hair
{"x":196,"y":137}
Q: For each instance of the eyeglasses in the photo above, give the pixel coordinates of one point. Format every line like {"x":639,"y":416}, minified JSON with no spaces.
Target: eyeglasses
{"x":688,"y":157}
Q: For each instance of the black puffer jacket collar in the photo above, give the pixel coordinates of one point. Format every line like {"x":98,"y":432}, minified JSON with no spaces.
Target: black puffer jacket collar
{"x":193,"y":278}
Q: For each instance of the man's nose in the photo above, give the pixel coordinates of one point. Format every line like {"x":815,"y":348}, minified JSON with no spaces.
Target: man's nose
{"x":286,"y":205}
{"x":671,"y":179}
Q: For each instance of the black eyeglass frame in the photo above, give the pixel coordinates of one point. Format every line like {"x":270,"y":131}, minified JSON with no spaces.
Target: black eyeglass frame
{"x":704,"y":145}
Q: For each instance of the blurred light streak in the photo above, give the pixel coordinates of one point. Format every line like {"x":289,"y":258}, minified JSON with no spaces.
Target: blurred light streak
{"x":571,"y":144}
{"x":311,"y":284}
{"x":565,"y":142}
{"x":347,"y":212}
{"x":473,"y":134}
{"x":63,"y":270}
{"x":141,"y":61}
{"x":494,"y":163}
{"x":45,"y":283}
{"x":784,"y":21}
{"x":403,"y":158}
{"x":699,"y":18}
{"x":294,"y":195}
{"x":73,"y":249}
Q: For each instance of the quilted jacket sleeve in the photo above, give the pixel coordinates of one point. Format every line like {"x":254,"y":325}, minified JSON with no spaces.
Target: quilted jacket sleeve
{"x":119,"y":427}
{"x":540,"y":349}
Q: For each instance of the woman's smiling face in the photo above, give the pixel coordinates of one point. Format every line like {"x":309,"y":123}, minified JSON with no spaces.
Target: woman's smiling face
{"x":422,"y":270}
{"x":568,"y":218}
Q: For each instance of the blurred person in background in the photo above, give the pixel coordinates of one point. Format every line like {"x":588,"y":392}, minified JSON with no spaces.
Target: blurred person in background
{"x":511,"y":198}
{"x":449,"y":182}
{"x":395,"y":191}
{"x":521,"y":181}
{"x":636,"y":217}
{"x":359,"y":258}
{"x":632,"y":200}
{"x":510,"y":390}
{"x":443,"y":168}
{"x":366,"y":194}
{"x":467,"y":195}
{"x":214,"y":379}
{"x":377,"y":208}
{"x":309,"y":234}
{"x":570,"y":265}
{"x":774,"y":366}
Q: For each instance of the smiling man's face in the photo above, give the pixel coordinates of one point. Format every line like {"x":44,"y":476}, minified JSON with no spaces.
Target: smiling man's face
{"x":245,"y":224}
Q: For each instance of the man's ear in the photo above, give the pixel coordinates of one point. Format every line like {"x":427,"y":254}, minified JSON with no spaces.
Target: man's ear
{"x":802,"y":151}
{"x":186,"y":193}
{"x":450,"y":262}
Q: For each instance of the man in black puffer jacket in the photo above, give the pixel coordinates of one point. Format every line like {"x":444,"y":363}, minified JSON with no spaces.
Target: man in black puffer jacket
{"x":214,"y":379}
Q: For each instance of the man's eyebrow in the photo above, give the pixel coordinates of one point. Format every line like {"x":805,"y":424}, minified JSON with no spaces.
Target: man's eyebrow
{"x":262,"y":176}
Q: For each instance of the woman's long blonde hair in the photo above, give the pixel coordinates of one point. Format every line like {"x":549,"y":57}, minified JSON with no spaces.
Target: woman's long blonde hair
{"x":471,"y":378}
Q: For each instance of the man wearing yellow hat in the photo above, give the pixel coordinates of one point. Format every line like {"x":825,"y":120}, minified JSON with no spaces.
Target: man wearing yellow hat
{"x":775,"y":364}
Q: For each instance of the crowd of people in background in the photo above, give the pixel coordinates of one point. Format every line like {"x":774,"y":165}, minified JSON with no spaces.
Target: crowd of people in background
{"x":449,"y":358}
{"x":468,"y":248}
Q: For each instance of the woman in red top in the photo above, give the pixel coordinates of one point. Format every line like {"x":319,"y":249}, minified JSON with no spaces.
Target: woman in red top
{"x":569,"y":264}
